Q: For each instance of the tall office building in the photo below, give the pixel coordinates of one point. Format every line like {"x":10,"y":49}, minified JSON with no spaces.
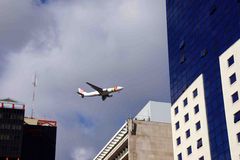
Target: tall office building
{"x":25,"y":138}
{"x":39,"y":139}
{"x":11,"y":129}
{"x":201,"y":35}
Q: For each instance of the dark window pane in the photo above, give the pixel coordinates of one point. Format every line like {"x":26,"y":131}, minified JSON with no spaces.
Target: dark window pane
{"x":199,"y":143}
{"x":238,"y":137}
{"x":201,"y":158}
{"x":237,"y":117}
{"x":186,"y":117}
{"x":195,"y":93}
{"x":234,"y":97}
{"x":188,"y":133}
{"x":189,"y":150}
{"x":185,"y":102}
{"x":176,"y":110}
{"x":232,"y":78}
{"x":196,"y":109}
{"x":230,"y":61}
{"x":177,"y":125}
{"x":179,"y":156}
{"x":198,"y":125}
{"x":178,"y":140}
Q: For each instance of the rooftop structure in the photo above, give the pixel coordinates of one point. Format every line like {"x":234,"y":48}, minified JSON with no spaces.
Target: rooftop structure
{"x":141,"y":138}
{"x":11,"y":129}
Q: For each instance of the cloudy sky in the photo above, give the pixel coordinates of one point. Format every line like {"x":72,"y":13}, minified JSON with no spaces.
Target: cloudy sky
{"x":70,"y":42}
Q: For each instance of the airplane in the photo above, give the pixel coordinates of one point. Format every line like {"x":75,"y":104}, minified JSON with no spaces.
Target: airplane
{"x":104,"y":92}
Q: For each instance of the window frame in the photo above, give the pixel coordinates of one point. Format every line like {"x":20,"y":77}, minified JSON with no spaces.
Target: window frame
{"x":186,"y":117}
{"x":198,"y":125}
{"x":179,"y":156}
{"x":178,"y":140}
{"x":232,"y":78}
{"x":196,"y":109}
{"x":238,"y":137}
{"x":185,"y":102}
{"x":230,"y":61}
{"x":177,"y":125}
{"x":176,"y":110}
{"x":188,"y":133}
{"x":195,"y":93}
{"x":189,"y":150}
{"x":236,"y":117}
{"x":199,"y":143}
{"x":235,"y":97}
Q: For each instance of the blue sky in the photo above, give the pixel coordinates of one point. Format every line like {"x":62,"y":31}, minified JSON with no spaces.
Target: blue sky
{"x":69,"y":42}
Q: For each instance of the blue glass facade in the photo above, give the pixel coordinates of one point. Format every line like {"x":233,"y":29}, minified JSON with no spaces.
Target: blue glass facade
{"x":199,"y":31}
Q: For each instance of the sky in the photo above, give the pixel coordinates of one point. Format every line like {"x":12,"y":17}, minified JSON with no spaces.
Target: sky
{"x":70,"y":42}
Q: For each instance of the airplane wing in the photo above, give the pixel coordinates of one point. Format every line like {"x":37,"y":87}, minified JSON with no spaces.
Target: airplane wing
{"x":100,"y":90}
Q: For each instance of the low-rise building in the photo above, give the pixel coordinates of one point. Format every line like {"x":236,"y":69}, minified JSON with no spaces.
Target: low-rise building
{"x":146,"y":137}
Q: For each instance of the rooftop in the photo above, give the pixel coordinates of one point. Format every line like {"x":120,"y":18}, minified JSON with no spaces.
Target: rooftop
{"x":10,"y":103}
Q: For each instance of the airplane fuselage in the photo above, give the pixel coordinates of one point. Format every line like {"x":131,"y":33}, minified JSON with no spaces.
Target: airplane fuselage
{"x":105,"y":92}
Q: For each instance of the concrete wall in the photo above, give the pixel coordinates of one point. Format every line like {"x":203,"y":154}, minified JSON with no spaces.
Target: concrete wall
{"x":149,"y":140}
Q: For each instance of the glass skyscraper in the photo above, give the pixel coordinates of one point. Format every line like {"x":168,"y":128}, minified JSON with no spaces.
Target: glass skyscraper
{"x":199,"y":31}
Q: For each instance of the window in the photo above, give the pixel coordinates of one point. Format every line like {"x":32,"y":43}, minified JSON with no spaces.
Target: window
{"x":189,"y":150}
{"x":237,"y":117}
{"x":185,"y":102}
{"x":204,"y":52}
{"x":179,"y":156}
{"x":176,"y":110}
{"x":188,"y":133}
{"x":232,"y":78}
{"x":238,"y":137}
{"x":198,"y":125}
{"x":199,"y":143}
{"x":196,"y":109}
{"x":195,"y":93}
{"x":235,"y":97}
{"x":177,"y":125}
{"x":230,"y":61}
{"x":186,"y":117}
{"x":178,"y":140}
{"x":201,"y":158}
{"x":213,"y":10}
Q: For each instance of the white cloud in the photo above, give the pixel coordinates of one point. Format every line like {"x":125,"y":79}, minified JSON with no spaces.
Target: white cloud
{"x":82,"y":154}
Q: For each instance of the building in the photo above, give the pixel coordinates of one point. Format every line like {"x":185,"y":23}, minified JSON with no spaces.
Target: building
{"x":230,"y":76}
{"x":25,"y":138}
{"x":11,"y":129}
{"x":146,"y":137}
{"x":202,"y":38}
{"x":39,"y":139}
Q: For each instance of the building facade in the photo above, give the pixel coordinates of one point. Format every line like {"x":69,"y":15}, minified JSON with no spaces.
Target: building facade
{"x":230,"y":76}
{"x":146,"y":137}
{"x":11,"y":129}
{"x":25,"y":138}
{"x":199,"y":32}
{"x":39,"y":139}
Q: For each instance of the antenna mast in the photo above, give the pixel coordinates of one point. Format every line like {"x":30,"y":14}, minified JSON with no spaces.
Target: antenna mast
{"x":34,"y":92}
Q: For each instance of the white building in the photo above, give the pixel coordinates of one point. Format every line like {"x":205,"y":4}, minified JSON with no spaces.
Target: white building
{"x":189,"y":117}
{"x":189,"y":124}
{"x":230,"y":76}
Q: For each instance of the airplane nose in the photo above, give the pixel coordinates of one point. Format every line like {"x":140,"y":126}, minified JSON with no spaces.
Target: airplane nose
{"x":120,"y":88}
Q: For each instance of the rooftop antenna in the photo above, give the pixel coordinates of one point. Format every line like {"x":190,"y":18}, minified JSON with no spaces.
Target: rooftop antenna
{"x":34,"y":92}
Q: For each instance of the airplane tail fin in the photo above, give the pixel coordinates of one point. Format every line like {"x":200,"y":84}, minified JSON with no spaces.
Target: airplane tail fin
{"x":81,"y":92}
